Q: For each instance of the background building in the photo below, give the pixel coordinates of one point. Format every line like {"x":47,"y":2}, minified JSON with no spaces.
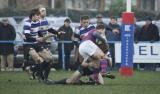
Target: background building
{"x":149,"y":5}
{"x":75,"y":8}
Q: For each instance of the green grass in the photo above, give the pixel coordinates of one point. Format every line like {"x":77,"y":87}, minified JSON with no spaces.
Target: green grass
{"x":143,"y":82}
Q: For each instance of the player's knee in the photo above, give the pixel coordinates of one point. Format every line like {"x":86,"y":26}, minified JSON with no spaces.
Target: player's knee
{"x":46,"y":55}
{"x":69,"y":81}
{"x":36,"y":58}
{"x":48,"y":58}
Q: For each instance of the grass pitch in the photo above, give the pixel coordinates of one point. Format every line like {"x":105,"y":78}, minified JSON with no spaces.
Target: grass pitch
{"x":143,"y":82}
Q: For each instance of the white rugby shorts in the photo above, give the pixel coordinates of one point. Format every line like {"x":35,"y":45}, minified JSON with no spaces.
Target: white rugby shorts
{"x":87,"y":49}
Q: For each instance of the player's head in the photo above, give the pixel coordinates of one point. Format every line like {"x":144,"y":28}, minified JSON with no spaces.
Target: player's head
{"x":42,"y":10}
{"x":100,"y":28}
{"x":85,"y":21}
{"x":34,"y":15}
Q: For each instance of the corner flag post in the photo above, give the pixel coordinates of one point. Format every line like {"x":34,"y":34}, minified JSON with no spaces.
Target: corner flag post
{"x":127,"y":40}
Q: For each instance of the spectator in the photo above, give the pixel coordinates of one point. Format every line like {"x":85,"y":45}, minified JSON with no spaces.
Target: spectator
{"x":136,"y":39}
{"x":113,"y":34}
{"x":67,"y":36}
{"x":113,"y":30}
{"x":137,"y":30}
{"x":7,"y":33}
{"x":35,"y":49}
{"x":149,"y":32}
{"x":137,"y":33}
{"x":99,"y":20}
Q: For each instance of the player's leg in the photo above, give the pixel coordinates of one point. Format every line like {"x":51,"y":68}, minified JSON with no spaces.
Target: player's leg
{"x":96,"y":76}
{"x":10,"y":61}
{"x":38,"y":67}
{"x":35,"y":56}
{"x":48,"y":57}
{"x":98,"y":79}
{"x":103,"y":67}
{"x":3,"y":62}
{"x":92,"y":55}
{"x":98,"y":54}
{"x":105,"y":70}
{"x":74,"y":78}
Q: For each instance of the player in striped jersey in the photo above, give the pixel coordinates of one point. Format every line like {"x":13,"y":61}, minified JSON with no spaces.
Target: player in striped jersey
{"x":43,"y":31}
{"x":34,"y":47}
{"x":44,"y":25}
{"x":31,"y":27}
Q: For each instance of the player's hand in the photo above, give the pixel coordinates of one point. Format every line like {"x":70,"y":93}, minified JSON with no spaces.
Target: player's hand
{"x":116,"y":31}
{"x":50,"y":35}
{"x":40,"y":39}
{"x":61,"y":32}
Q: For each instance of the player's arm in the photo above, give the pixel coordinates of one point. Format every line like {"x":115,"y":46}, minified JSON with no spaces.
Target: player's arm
{"x":29,"y":38}
{"x":76,"y":35}
{"x":53,"y":31}
{"x":47,"y":36}
{"x":98,"y":36}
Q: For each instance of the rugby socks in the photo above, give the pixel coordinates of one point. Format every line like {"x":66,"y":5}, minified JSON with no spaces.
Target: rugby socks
{"x":96,"y":74}
{"x":103,"y":64}
{"x":63,"y":81}
{"x":40,"y":71}
{"x":105,"y":71}
{"x":47,"y":69}
{"x":31,"y":71}
{"x":86,"y":82}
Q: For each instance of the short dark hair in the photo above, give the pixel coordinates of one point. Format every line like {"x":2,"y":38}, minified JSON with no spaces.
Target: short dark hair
{"x":99,"y":16}
{"x":148,"y":19}
{"x":101,"y":26}
{"x":67,"y":20}
{"x":34,"y":12}
{"x":85,"y":17}
{"x":114,"y":18}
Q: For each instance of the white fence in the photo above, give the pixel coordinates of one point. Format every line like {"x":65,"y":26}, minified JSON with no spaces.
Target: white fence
{"x":143,"y":53}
